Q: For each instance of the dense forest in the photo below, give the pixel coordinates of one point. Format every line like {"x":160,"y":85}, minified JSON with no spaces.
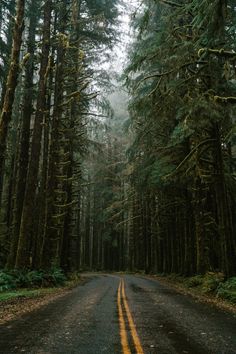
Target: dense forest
{"x":101,"y":172}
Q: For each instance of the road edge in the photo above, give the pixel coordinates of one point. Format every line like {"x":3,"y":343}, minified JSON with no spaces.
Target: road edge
{"x":180,"y":288}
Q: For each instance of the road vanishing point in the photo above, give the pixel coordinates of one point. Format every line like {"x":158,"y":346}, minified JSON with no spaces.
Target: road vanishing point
{"x":114,"y":313}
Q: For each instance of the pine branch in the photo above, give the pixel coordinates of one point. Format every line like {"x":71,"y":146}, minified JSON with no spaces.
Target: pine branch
{"x":231,"y":99}
{"x":220,"y":52}
{"x":171,"y":3}
{"x":188,"y":156}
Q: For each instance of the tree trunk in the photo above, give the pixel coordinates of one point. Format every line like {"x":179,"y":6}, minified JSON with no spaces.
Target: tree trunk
{"x":22,"y":259}
{"x":53,"y":231}
{"x":27,"y":111}
{"x":11,"y":85}
{"x":223,"y":212}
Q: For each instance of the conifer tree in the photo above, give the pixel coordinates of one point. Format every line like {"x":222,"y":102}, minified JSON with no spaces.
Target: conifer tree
{"x":7,"y":106}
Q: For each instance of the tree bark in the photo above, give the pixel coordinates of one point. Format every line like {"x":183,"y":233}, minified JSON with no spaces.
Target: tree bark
{"x":27,"y":111}
{"x":22,"y":259}
{"x":11,"y":85}
{"x":53,"y":231}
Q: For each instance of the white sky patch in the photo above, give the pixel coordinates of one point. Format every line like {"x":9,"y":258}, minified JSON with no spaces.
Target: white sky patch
{"x":120,"y":50}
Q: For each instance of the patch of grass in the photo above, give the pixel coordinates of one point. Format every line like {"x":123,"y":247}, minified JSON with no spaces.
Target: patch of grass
{"x":24,"y":293}
{"x":32,"y":284}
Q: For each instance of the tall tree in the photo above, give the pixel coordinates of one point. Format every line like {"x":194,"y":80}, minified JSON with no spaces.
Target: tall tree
{"x":6,"y":112}
{"x":180,"y":91}
{"x":27,"y":111}
{"x":22,"y":258}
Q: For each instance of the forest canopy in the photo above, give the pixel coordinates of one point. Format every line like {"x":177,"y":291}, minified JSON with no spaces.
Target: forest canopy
{"x":101,"y":172}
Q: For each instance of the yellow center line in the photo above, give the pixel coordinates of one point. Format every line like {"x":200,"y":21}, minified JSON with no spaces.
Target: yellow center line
{"x":134,"y":333}
{"x":123,"y":333}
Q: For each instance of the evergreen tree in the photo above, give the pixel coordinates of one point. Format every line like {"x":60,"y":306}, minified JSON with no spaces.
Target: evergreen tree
{"x":181,"y":121}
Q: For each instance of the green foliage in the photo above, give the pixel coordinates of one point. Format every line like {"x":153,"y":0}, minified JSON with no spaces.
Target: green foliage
{"x":180,"y":71}
{"x":160,"y":169}
{"x":227,"y":290}
{"x":34,"y":278}
{"x":98,"y":21}
{"x":181,"y":132}
{"x":24,"y":293}
{"x":7,"y":281}
{"x":30,"y":279}
{"x":207,"y":283}
{"x":74,"y":277}
{"x":55,"y":277}
{"x":211,"y":282}
{"x":195,"y":281}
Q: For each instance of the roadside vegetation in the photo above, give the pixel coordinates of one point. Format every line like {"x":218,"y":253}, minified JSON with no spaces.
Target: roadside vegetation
{"x":99,"y":176}
{"x":32,"y":284}
{"x":214,"y":285}
{"x":11,"y":280}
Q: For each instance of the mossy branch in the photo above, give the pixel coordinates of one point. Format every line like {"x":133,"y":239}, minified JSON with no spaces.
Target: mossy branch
{"x":220,"y":52}
{"x":171,"y":3}
{"x":64,"y":206}
{"x":207,"y":141}
{"x":230,"y":99}
{"x":58,"y":216}
{"x":25,"y":60}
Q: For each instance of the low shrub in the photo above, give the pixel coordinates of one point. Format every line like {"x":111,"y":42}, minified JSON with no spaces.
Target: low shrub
{"x":195,"y":281}
{"x":7,"y":281}
{"x":211,"y":282}
{"x":35,"y":278}
{"x":207,"y":283}
{"x":227,"y":290}
{"x":74,"y":276}
{"x":10,"y":280}
{"x":54,"y":277}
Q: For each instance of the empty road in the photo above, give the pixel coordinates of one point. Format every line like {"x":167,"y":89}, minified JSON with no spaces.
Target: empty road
{"x":121,"y":314}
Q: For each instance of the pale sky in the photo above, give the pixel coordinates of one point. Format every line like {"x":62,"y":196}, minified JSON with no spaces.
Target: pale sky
{"x":120,"y":50}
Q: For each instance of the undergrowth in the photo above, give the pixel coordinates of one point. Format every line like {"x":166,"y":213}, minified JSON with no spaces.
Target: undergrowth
{"x":227,"y":290}
{"x":211,"y":283}
{"x":14,"y":279}
{"x":25,"y":293}
{"x":215,"y":284}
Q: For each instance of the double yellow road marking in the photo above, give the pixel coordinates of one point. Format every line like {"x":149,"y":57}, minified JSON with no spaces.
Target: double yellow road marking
{"x":125,"y":312}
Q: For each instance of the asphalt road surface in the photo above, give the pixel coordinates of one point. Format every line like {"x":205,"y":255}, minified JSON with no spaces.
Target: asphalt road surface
{"x":121,"y":314}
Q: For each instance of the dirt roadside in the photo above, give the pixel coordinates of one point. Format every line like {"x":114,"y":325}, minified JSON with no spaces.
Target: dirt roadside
{"x":209,"y":299}
{"x":13,"y":308}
